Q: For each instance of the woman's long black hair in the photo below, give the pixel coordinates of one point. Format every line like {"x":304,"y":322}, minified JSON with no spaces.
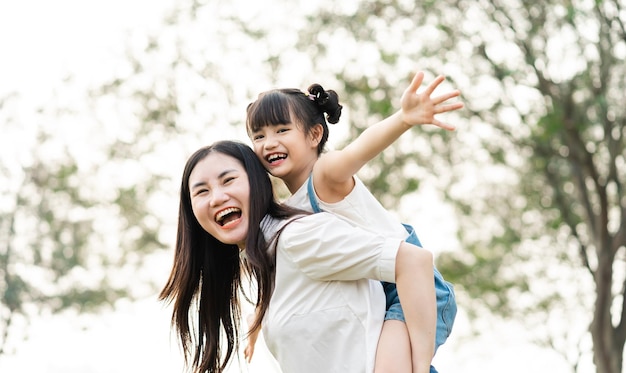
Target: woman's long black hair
{"x":208,"y":272}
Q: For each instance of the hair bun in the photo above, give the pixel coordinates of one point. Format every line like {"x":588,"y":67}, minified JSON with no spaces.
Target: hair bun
{"x":327,"y":101}
{"x":318,"y":94}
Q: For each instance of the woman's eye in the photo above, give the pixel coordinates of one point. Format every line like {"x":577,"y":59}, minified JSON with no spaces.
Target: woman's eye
{"x":200,"y":191}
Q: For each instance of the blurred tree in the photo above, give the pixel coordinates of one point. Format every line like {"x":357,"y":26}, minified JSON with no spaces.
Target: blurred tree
{"x":75,"y":214}
{"x":535,"y":171}
{"x":538,"y":184}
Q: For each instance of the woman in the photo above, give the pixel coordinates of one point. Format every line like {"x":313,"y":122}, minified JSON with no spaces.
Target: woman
{"x":318,"y":292}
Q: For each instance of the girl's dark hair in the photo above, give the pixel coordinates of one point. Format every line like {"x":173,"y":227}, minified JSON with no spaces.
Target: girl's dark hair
{"x":207,"y":272}
{"x":278,"y":106}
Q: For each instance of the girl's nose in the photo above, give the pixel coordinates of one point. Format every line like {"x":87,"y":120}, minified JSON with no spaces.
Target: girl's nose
{"x":270,"y":142}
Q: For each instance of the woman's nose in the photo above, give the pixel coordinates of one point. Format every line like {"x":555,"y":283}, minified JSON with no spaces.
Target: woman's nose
{"x":218,"y":197}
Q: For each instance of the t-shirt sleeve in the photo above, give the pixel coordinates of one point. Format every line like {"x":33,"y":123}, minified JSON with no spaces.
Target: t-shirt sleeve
{"x":327,"y":248}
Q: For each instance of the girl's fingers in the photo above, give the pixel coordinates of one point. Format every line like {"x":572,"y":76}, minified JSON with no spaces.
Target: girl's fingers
{"x":435,"y":83}
{"x":439,"y":99}
{"x":416,"y":82}
{"x":443,"y":125}
{"x":450,"y":107}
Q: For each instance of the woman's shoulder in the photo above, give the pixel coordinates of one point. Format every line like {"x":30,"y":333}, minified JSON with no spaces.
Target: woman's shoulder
{"x":271,"y":225}
{"x":313,"y":226}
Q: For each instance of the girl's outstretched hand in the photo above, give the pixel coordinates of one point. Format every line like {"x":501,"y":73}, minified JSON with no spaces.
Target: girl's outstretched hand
{"x":420,"y":108}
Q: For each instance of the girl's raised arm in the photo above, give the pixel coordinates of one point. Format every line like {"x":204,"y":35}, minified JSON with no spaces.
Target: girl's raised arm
{"x":334,"y":170}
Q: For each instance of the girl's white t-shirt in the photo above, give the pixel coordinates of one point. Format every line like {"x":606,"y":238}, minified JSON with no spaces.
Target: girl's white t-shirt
{"x":360,"y":208}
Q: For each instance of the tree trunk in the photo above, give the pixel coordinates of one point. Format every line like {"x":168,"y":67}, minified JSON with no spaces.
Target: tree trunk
{"x":607,"y":349}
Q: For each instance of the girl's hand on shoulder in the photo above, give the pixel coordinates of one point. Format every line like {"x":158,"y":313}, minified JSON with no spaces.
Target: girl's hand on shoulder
{"x":249,"y":350}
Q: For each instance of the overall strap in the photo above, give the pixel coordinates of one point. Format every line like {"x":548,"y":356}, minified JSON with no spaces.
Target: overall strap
{"x":412,"y":235}
{"x":311,"y":191}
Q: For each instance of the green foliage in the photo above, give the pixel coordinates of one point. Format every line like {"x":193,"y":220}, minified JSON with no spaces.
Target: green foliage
{"x":543,"y":82}
{"x":535,"y":171}
{"x":87,"y":300}
{"x":66,"y":229}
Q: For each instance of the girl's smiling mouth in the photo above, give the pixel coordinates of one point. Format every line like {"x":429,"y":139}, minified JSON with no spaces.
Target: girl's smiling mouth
{"x":274,"y":157}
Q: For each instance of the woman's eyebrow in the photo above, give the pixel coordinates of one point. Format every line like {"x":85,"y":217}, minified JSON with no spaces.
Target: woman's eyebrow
{"x":221,"y":175}
{"x":198,"y":184}
{"x":225,"y":172}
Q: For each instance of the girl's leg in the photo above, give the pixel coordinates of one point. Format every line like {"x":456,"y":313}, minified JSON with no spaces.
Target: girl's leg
{"x":416,"y":291}
{"x":393,"y":354}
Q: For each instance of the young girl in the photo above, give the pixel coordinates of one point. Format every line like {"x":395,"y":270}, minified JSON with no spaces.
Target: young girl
{"x":320,"y":310}
{"x":289,"y":132}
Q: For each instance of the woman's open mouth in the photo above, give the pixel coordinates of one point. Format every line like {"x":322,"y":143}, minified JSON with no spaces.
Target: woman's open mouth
{"x":227,"y":215}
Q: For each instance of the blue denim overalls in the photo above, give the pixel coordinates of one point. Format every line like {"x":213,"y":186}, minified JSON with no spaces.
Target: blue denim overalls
{"x":446,"y":301}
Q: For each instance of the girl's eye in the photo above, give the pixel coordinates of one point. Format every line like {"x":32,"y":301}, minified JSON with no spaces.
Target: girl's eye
{"x":257,"y":137}
{"x":280,"y":130}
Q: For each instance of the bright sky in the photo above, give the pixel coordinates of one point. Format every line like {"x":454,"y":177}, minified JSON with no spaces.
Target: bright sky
{"x":40,"y":42}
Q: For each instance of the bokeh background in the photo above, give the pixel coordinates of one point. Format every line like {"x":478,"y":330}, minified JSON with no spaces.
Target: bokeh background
{"x":523,"y":206}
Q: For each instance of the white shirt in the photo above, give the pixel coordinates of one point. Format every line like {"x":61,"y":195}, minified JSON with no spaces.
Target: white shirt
{"x":324,"y":314}
{"x":360,"y":208}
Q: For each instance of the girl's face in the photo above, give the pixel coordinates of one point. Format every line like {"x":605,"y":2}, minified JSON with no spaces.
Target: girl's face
{"x":220,"y":195}
{"x":286,"y":151}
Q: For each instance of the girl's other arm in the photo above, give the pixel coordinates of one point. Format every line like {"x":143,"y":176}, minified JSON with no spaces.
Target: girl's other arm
{"x":252,"y":337}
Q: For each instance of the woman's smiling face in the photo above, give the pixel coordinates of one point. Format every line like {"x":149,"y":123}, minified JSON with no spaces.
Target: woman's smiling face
{"x":220,"y":195}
